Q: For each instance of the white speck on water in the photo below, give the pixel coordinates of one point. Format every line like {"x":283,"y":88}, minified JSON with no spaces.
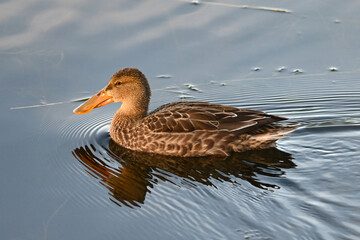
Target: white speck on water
{"x":333,"y":69}
{"x":192,"y":87}
{"x":281,"y":69}
{"x":297,"y":71}
{"x":164,"y":76}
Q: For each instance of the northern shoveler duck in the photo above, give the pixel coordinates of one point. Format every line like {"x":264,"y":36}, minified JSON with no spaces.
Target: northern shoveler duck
{"x":181,"y":128}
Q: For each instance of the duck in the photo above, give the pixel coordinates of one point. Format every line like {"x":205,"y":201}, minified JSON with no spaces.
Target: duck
{"x":184,"y":129}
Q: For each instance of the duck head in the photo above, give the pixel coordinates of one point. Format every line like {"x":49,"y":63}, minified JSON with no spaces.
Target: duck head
{"x":128,"y":86}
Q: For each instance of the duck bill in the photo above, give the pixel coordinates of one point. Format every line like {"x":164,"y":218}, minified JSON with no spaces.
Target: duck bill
{"x":98,"y":100}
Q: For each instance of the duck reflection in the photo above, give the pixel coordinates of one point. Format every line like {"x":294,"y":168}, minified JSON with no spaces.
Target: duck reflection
{"x":130,"y":181}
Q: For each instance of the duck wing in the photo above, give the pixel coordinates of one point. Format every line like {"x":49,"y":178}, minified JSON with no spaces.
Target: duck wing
{"x":201,"y":116}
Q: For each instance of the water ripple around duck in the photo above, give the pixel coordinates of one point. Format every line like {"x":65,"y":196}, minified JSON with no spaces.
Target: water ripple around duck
{"x":189,"y":191}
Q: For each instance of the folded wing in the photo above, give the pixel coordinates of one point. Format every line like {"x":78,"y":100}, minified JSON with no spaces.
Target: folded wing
{"x":199,"y":116}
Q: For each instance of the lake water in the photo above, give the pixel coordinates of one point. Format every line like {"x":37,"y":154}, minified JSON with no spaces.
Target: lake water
{"x":63,"y":178}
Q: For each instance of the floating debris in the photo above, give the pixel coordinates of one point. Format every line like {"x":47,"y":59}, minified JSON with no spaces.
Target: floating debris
{"x":196,"y":2}
{"x":170,"y":87}
{"x":297,"y":71}
{"x":255,"y":69}
{"x":43,"y":101}
{"x":333,"y":69}
{"x":185,"y":96}
{"x":36,"y":106}
{"x":281,"y":69}
{"x":192,"y":87}
{"x":164,"y":76}
{"x":45,"y":104}
{"x":218,"y":83}
{"x":81,"y":99}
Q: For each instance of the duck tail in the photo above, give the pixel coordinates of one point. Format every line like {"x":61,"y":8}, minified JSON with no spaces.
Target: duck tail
{"x":276,"y":133}
{"x":264,"y":138}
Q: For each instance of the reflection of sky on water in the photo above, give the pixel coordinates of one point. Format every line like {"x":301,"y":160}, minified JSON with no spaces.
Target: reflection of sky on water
{"x":84,"y":42}
{"x":215,"y":37}
{"x":40,"y":24}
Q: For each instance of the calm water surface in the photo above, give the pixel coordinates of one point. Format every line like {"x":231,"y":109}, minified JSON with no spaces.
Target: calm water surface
{"x":63,"y":178}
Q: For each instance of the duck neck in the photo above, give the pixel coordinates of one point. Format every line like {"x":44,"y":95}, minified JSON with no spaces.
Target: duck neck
{"x":130,"y":112}
{"x":134,"y":110}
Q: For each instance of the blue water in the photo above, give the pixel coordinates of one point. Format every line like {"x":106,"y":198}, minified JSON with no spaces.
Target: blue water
{"x":63,"y":178}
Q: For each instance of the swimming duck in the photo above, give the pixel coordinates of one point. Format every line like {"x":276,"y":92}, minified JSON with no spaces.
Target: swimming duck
{"x":185,"y":129}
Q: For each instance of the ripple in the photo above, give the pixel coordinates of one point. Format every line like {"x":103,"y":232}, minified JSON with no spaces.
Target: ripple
{"x":129,"y":176}
{"x":300,"y":98}
{"x":85,"y":128}
{"x":74,"y":132}
{"x":109,"y":174}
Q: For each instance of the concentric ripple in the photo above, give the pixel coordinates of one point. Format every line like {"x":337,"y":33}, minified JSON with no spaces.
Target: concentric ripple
{"x":87,"y":134}
{"x":86,"y":129}
{"x":303,"y":176}
{"x":128,"y":176}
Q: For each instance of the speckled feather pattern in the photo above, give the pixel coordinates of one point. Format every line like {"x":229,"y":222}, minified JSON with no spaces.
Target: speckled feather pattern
{"x":198,"y":129}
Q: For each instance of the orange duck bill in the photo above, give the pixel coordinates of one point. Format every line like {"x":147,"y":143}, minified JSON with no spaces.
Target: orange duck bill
{"x":98,"y":100}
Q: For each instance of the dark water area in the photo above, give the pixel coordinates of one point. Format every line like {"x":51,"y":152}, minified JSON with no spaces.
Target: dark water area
{"x":62,"y":177}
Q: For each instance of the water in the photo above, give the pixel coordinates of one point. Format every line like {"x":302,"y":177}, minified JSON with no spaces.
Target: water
{"x":63,"y":178}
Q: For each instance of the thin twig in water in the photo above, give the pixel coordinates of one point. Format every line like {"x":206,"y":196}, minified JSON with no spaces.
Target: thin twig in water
{"x":46,"y":225}
{"x":243,"y":6}
{"x":48,"y":104}
{"x":38,"y":105}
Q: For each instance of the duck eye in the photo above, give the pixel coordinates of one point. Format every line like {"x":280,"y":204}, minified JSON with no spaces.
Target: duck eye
{"x":118,"y":83}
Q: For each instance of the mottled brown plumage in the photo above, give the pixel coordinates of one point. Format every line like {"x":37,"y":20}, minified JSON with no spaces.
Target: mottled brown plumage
{"x":181,"y":128}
